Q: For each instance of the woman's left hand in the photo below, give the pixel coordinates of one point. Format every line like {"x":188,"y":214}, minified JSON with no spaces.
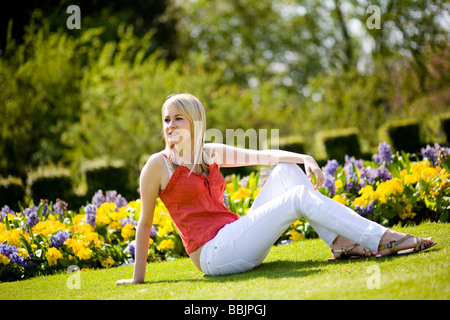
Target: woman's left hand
{"x":311,"y":167}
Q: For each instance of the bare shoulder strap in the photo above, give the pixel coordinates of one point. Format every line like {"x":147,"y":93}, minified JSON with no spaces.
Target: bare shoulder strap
{"x":168,"y":165}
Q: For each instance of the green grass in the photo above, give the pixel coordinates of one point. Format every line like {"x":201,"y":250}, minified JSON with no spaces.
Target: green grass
{"x":296,"y":271}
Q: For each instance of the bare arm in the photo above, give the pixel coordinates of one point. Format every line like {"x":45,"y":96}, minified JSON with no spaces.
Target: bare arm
{"x":149,"y":183}
{"x":228,"y":156}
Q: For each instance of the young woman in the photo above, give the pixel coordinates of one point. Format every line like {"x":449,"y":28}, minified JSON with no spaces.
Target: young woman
{"x":186,"y":176}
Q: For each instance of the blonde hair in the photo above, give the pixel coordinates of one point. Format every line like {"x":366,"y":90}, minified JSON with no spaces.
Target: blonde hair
{"x":190,"y":107}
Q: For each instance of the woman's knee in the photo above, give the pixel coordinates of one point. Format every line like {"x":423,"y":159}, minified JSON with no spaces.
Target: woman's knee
{"x":283,"y":167}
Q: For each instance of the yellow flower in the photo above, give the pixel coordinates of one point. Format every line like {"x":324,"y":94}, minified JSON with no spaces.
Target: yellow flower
{"x":103,"y":212}
{"x":339,"y":199}
{"x":420,"y":171}
{"x":242,"y":193}
{"x":166,"y":245}
{"x":391,"y":188}
{"x":338,"y":184}
{"x":4,"y":260}
{"x":117,"y":215}
{"x":407,"y":212}
{"x":23,"y":252}
{"x":82,"y":228}
{"x":136,"y":205}
{"x":128,"y":231}
{"x":84,"y":253}
{"x":255,"y":194}
{"x":49,"y":226}
{"x":52,"y":256}
{"x":13,"y":236}
{"x":297,"y":223}
{"x":109,"y":262}
{"x":295,"y":235}
{"x":365,"y":198}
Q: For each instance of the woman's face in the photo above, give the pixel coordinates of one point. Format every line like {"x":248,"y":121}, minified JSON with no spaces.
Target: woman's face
{"x":177,"y":127}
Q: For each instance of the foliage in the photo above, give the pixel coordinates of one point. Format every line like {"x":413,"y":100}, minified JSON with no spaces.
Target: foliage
{"x":393,"y":188}
{"x":47,"y":237}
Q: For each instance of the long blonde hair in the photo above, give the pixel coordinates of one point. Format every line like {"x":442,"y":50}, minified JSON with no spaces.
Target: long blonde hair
{"x":189,"y":106}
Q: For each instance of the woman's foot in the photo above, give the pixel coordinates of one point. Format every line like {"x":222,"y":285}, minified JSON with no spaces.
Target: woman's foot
{"x":345,"y":248}
{"x":400,"y":243}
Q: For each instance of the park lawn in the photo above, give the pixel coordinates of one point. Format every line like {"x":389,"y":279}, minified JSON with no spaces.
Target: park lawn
{"x":295,"y":271}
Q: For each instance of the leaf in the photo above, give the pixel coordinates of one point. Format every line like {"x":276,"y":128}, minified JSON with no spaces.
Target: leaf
{"x":430,"y":203}
{"x":40,"y":210}
{"x":25,"y":243}
{"x":406,"y":161}
{"x":8,"y":226}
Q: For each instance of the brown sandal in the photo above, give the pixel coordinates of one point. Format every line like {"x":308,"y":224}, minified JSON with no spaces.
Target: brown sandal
{"x":345,"y":253}
{"x":393,"y":245}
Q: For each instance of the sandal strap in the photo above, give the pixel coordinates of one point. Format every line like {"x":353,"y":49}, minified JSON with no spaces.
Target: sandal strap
{"x":345,"y":250}
{"x":393,"y":245}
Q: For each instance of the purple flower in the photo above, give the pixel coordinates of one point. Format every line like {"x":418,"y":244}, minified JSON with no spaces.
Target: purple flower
{"x":59,"y":238}
{"x":11,"y":251}
{"x":98,"y":199}
{"x":60,"y":207}
{"x":352,"y":160}
{"x":91,"y":214}
{"x":329,"y":184}
{"x":352,"y":181}
{"x":384,"y":174}
{"x":120,"y":201}
{"x":131,"y":249}
{"x":436,"y":155}
{"x":367,"y":175}
{"x":124,"y":222}
{"x":45,"y":207}
{"x":5,"y":211}
{"x":365,"y":210}
{"x":285,"y":242}
{"x":329,"y":171}
{"x":111,"y":196}
{"x":331,"y":167}
{"x":154,"y":232}
{"x":384,"y":155}
{"x":31,"y":215}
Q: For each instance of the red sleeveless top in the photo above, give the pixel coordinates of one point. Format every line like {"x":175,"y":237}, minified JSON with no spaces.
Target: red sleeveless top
{"x":195,"y":204}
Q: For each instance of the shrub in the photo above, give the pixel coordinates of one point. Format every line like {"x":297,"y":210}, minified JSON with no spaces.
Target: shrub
{"x":293,"y":143}
{"x":335,"y":144}
{"x":12,"y":192}
{"x":107,"y":174}
{"x":445,"y":124}
{"x":403,"y":135}
{"x":50,"y":183}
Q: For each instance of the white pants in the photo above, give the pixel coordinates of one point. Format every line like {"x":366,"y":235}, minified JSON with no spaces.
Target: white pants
{"x":286,"y":196}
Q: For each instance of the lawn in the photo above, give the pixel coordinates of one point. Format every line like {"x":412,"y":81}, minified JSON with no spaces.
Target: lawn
{"x":295,"y":271}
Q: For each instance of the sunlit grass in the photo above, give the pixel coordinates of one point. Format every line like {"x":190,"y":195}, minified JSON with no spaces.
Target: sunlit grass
{"x":296,"y":271}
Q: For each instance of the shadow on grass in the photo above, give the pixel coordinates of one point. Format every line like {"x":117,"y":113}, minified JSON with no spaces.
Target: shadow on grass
{"x":286,"y":269}
{"x":270,"y":270}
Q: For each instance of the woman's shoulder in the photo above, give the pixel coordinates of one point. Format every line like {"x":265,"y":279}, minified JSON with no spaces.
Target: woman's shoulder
{"x":154,"y":163}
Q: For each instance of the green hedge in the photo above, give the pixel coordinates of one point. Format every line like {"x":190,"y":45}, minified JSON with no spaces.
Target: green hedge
{"x":335,"y":144}
{"x":50,"y":183}
{"x":12,"y":191}
{"x":293,"y":143}
{"x":106,"y":174}
{"x":403,"y":135}
{"x":445,"y":125}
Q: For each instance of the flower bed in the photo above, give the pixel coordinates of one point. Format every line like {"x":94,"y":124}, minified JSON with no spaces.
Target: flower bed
{"x":45,"y":238}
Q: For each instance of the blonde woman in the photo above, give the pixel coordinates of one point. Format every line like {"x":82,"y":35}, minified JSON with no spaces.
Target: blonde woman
{"x":186,"y":176}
